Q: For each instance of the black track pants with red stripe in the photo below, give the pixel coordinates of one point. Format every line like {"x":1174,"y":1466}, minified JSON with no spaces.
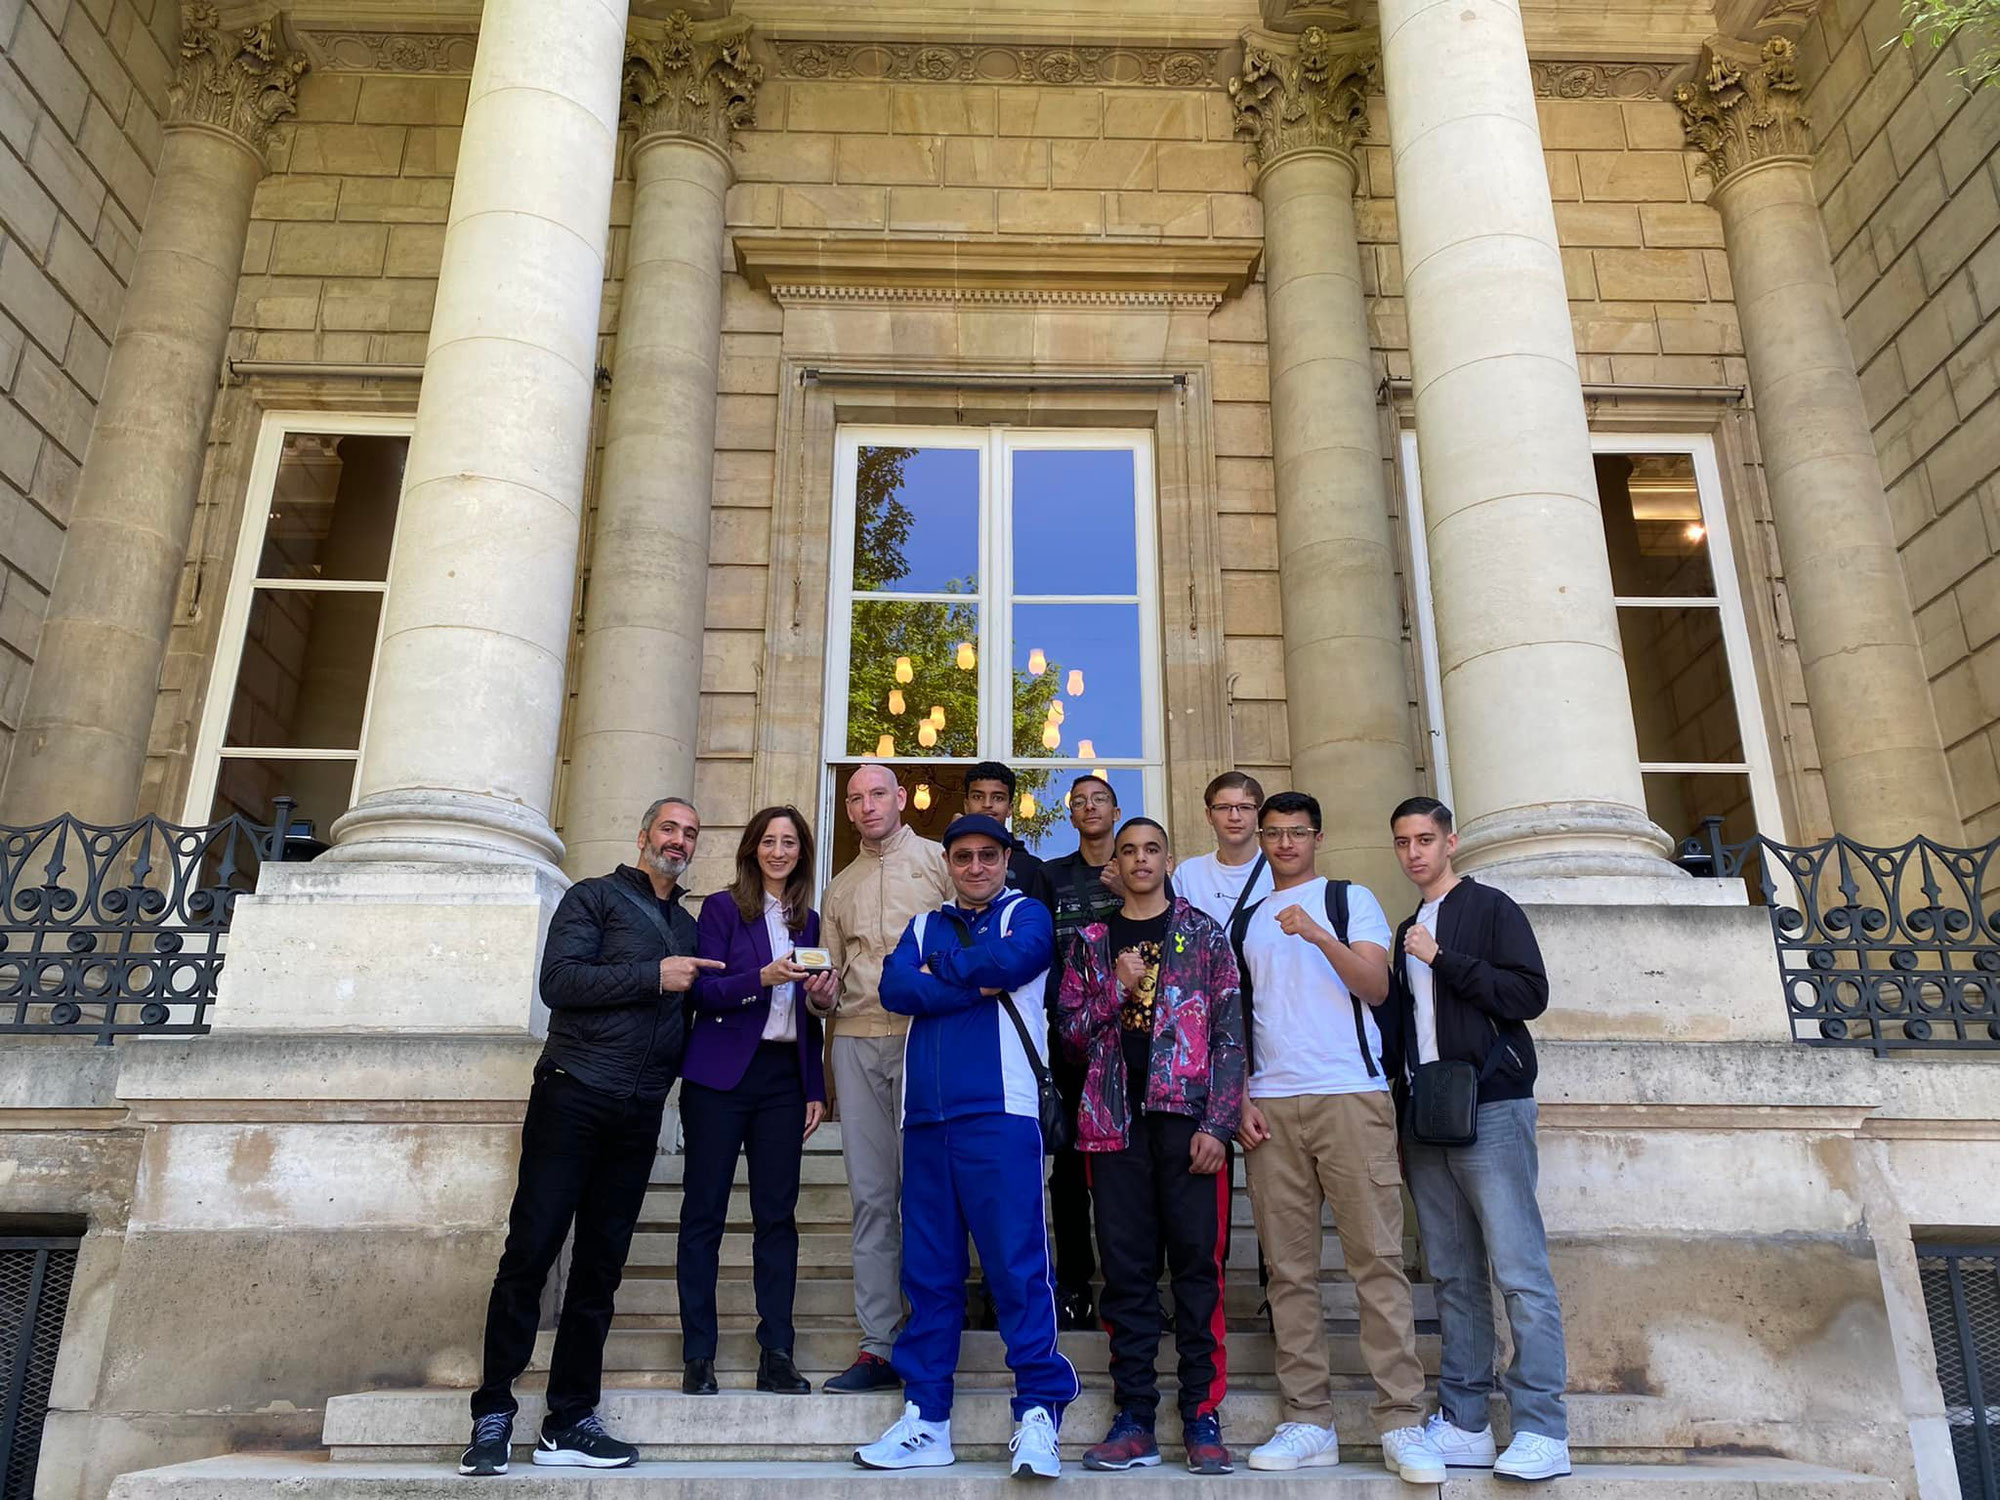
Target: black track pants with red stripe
{"x":1151,"y":1212}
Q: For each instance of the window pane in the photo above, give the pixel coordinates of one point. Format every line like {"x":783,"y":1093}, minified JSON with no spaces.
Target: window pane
{"x":936,"y":796}
{"x":1087,"y":688}
{"x":1682,"y":700}
{"x":1653,"y":526}
{"x":1073,"y":522}
{"x":303,"y":680}
{"x":1678,"y":801}
{"x":322,"y":789}
{"x":916,"y":521}
{"x":1050,"y":836}
{"x":333,"y":508}
{"x":936,"y":648}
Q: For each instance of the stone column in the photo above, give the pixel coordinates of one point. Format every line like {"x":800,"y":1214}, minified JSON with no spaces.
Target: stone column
{"x":1304,"y":107}
{"x":82,"y":743}
{"x":1873,"y":717}
{"x":1544,"y":759}
{"x":639,"y":684}
{"x":468,"y":699}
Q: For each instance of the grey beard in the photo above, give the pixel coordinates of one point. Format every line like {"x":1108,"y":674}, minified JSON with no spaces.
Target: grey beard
{"x":666,"y":866}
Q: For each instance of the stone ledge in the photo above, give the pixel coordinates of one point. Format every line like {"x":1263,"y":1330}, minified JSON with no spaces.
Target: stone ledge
{"x":286,"y":1066}
{"x":832,"y":266}
{"x":229,"y":1478}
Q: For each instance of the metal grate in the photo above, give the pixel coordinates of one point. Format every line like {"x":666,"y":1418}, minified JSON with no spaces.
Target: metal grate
{"x":34,"y":1294}
{"x":1962,"y":1296}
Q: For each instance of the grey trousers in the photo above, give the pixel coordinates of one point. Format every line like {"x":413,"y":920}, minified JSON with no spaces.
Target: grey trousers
{"x":868,"y":1088}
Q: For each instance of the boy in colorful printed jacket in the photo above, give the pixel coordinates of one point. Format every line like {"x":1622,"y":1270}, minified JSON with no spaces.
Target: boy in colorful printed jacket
{"x":1150,"y":1006}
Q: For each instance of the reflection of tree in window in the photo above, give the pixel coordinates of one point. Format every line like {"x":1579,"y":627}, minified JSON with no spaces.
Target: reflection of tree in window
{"x":927,"y":636}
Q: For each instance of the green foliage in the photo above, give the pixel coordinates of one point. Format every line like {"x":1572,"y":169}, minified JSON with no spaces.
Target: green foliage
{"x":1976,"y":24}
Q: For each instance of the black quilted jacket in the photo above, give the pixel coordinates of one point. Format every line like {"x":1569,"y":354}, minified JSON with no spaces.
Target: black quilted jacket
{"x":610,"y":1027}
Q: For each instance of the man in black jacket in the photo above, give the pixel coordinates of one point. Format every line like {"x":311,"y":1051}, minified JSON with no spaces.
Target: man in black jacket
{"x":616,"y":967}
{"x":1465,"y":977}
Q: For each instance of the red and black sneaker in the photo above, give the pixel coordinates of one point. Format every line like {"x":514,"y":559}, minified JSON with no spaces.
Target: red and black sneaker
{"x":1205,"y":1453}
{"x":1129,"y":1445}
{"x":869,"y":1372}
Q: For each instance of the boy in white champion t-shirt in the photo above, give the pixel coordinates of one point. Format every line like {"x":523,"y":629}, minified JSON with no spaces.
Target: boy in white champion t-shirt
{"x":1213,"y":883}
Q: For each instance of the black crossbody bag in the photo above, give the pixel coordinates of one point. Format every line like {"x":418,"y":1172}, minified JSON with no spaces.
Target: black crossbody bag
{"x":1058,"y":1130}
{"x":1444,"y":1095}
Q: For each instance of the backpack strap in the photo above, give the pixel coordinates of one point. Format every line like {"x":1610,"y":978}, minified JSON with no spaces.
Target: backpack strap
{"x":1336,"y":914}
{"x":1239,"y":929}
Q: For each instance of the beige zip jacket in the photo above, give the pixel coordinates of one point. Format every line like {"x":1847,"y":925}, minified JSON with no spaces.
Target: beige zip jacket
{"x":862,"y":918}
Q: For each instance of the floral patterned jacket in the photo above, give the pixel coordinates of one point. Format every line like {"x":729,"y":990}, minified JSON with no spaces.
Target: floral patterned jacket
{"x":1197,"y":1067}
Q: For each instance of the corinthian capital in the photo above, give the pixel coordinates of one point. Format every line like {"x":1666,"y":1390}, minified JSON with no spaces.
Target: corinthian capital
{"x":1744,"y":105}
{"x":694,"y":80}
{"x":1313,"y":95}
{"x":243,"y":82}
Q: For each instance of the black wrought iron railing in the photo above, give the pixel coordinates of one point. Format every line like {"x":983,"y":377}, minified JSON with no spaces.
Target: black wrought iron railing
{"x":1885,"y":948}
{"x":108,"y":931}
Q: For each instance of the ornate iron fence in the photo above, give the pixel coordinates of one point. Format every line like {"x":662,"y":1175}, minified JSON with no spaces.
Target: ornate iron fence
{"x":1889,"y":949}
{"x":112,"y":930}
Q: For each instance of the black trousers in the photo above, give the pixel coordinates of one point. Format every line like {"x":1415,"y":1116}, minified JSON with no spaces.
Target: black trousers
{"x":1152,"y":1210}
{"x":586,"y":1157}
{"x":1069,"y":1195}
{"x":763,"y":1117}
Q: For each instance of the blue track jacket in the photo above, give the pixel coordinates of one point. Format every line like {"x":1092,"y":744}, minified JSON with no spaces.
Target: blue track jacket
{"x":963,"y":1055}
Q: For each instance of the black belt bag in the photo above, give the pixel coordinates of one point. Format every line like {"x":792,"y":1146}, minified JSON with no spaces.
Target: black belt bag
{"x":1444,"y":1099}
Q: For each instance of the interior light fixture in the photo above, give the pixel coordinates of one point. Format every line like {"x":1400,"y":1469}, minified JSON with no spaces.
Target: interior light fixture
{"x":967,"y":657}
{"x":1051,"y":737}
{"x":927,"y":734}
{"x":923,"y":796}
{"x":1038,"y":662}
{"x":896,"y":703}
{"x":1075,"y":685}
{"x":1027,"y":804}
{"x":1085,"y":750}
{"x":886,"y":746}
{"x":904,"y":672}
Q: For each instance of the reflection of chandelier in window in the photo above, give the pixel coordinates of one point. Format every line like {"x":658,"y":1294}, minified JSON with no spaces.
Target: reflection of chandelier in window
{"x":923,"y":796}
{"x":896,"y":704}
{"x":1075,"y":685}
{"x":967,"y":657}
{"x":1085,"y":750}
{"x":927,"y":734}
{"x":1038,"y":662}
{"x":886,"y":746}
{"x":904,"y":672}
{"x":1027,"y":804}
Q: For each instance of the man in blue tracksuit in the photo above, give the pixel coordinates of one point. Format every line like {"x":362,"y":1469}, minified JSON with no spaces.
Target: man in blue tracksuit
{"x":972,"y":1152}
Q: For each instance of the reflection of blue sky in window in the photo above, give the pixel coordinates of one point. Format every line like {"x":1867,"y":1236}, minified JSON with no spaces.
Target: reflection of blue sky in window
{"x":1102,"y":642}
{"x":940,"y":490}
{"x":1128,"y":782}
{"x":1073,"y":531}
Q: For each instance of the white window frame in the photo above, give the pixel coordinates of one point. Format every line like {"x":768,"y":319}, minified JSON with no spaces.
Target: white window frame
{"x":1757,"y":763}
{"x":996,"y":447}
{"x":210,"y":751}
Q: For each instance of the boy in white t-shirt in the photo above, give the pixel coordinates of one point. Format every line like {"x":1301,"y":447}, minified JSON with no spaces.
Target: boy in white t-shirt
{"x":1214,"y":883}
{"x":1319,"y":1126}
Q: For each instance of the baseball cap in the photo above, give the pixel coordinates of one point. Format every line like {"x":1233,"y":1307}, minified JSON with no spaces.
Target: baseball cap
{"x":969,"y":825}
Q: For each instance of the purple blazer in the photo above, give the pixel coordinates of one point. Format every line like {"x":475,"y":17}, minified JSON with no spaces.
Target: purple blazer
{"x":731,"y":1007}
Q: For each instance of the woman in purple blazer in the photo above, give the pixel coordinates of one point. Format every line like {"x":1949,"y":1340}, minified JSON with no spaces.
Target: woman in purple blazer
{"x":752,"y":1083}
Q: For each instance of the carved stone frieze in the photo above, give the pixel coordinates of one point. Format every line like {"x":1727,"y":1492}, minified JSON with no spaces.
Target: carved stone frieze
{"x":1744,"y":105}
{"x":1602,"y":80}
{"x":1313,"y":95}
{"x":997,"y":62}
{"x":389,"y":51}
{"x":695,"y":79}
{"x":242,"y":81}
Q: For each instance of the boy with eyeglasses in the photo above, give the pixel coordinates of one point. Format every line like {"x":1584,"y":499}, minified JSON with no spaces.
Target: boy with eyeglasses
{"x":1319,"y":1126}
{"x":1236,"y":873}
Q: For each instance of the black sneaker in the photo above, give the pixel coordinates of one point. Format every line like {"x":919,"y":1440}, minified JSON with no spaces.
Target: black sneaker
{"x":584,"y":1445}
{"x":492,"y":1436}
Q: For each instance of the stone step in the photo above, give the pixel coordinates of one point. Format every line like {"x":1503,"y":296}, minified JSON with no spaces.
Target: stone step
{"x":654,"y":1295}
{"x":824,"y":1352}
{"x":257,"y":1477}
{"x":827,"y":1205}
{"x":826,"y":1250}
{"x":431,"y":1424}
{"x":822,"y":1162}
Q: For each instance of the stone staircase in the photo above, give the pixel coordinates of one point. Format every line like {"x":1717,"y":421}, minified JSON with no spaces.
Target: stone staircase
{"x":401,"y":1443}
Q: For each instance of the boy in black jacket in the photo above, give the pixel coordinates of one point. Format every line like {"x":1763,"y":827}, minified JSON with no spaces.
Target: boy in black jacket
{"x":1465,"y":976}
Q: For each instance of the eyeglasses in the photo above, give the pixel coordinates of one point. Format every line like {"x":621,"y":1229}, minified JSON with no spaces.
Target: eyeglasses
{"x":1287,"y":835}
{"x":1233,"y":807}
{"x":978,"y":856}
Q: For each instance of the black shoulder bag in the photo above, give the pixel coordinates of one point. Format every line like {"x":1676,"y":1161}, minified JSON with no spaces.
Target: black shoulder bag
{"x":1058,"y":1130}
{"x":1444,"y":1095}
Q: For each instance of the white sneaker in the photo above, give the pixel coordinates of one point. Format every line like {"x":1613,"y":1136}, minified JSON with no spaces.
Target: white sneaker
{"x":1457,"y":1447}
{"x":1407,"y":1455}
{"x":912,"y":1443}
{"x":1034,"y":1446}
{"x":1297,"y":1445}
{"x":1532,"y":1456}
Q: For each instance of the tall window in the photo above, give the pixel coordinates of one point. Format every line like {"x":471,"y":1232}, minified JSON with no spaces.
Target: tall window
{"x":1695,"y":703}
{"x":287,"y":711}
{"x":995,"y":598}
